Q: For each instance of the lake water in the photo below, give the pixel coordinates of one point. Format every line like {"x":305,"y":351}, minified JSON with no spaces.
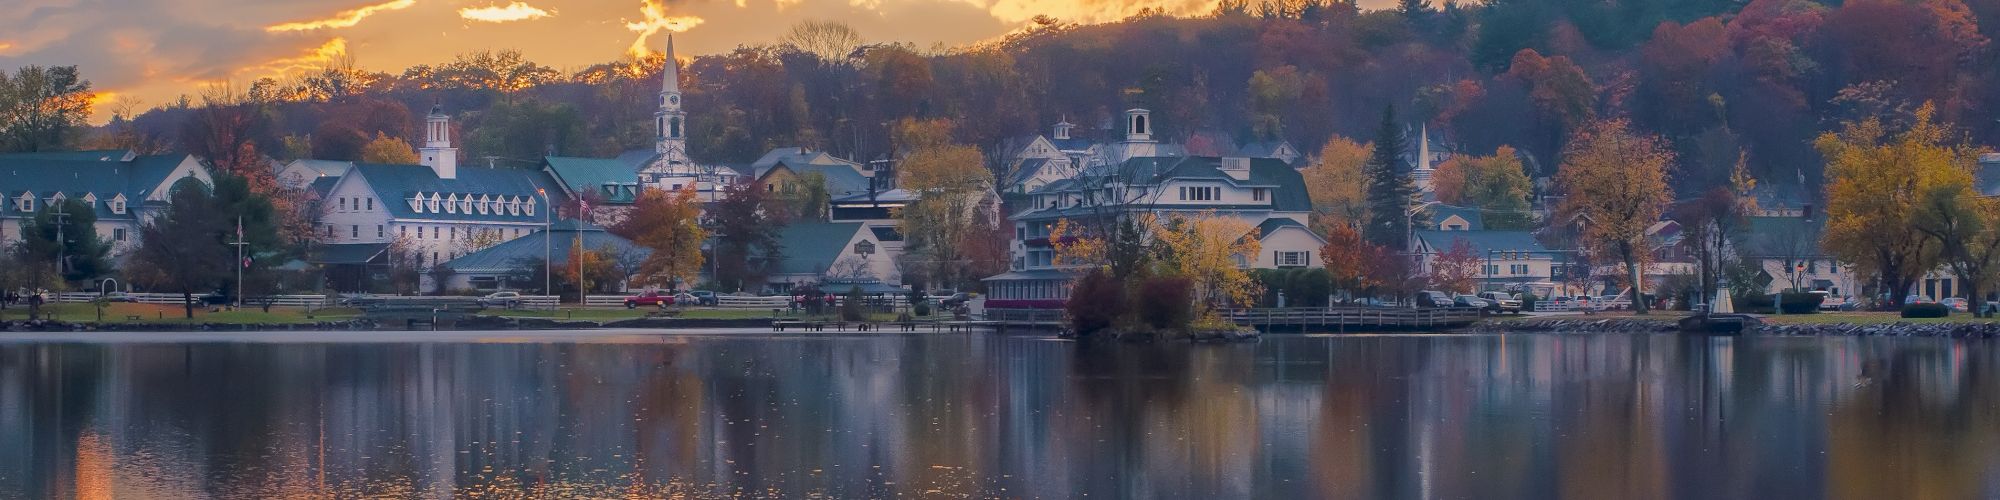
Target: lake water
{"x":510,"y":415}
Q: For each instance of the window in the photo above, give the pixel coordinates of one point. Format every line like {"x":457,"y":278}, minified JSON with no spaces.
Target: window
{"x":1020,"y":232}
{"x":1454,"y":227}
{"x":381,"y":232}
{"x":371,"y":204}
{"x":434,"y":232}
{"x":118,"y":234}
{"x":1292,"y":259}
{"x":1257,"y":194}
{"x":453,"y":233}
{"x":118,"y":205}
{"x":25,"y":204}
{"x":343,"y":203}
{"x":1492,"y":269}
{"x":517,"y":232}
{"x":354,"y":231}
{"x":329,"y":230}
{"x":405,"y":231}
{"x":1517,"y":269}
{"x":1200,"y":193}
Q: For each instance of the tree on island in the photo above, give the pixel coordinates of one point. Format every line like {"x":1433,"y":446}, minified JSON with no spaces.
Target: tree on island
{"x":1207,"y":249}
{"x":1615,"y":185}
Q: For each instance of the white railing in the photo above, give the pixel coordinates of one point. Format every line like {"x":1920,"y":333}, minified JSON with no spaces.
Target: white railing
{"x":734,"y":302}
{"x":178,"y":299}
{"x":604,"y":301}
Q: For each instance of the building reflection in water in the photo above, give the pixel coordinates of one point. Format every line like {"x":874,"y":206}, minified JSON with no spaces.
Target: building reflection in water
{"x":1579,"y":416}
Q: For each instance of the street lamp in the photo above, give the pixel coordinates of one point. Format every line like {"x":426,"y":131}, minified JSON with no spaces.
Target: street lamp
{"x":548,"y":243}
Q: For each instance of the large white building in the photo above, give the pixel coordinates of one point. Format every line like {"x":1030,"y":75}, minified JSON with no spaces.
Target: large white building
{"x":1265,"y":192}
{"x":124,"y":189}
{"x":438,"y":210}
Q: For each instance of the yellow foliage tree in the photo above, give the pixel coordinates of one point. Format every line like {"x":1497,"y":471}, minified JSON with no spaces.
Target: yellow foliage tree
{"x":1210,"y":250}
{"x":1494,"y":184}
{"x":1076,"y":247}
{"x":1615,"y":181}
{"x":950,"y":181}
{"x":1338,"y":182}
{"x":669,"y":224}
{"x":1876,"y":181}
{"x":388,"y":150}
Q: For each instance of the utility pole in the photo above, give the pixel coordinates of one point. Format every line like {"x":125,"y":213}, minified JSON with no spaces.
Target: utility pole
{"x":62,"y":219}
{"x":240,"y":263}
{"x":548,"y":245}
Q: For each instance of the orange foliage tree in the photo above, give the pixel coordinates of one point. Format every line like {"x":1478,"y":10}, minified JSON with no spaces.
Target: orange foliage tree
{"x":1456,"y":269}
{"x":669,"y":224}
{"x":1615,"y":185}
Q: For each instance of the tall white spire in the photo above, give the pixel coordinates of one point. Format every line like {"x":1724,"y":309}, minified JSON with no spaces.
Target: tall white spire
{"x":670,"y":122}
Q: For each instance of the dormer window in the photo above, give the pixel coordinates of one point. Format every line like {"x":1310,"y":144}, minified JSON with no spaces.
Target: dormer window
{"x":417,"y":203}
{"x":465,"y":205}
{"x":485,"y":205}
{"x":529,"y":208}
{"x":57,"y":199}
{"x":26,"y":203}
{"x":90,"y":199}
{"x":432,"y":203}
{"x":451,"y":204}
{"x":117,"y":204}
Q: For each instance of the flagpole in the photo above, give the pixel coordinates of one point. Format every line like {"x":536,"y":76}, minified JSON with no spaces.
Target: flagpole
{"x":239,"y":261}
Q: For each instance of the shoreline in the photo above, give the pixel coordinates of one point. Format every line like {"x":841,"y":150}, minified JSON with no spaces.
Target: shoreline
{"x":1665,"y":324}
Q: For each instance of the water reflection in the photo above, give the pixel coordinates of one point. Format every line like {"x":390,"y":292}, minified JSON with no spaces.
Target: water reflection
{"x":987,"y":416}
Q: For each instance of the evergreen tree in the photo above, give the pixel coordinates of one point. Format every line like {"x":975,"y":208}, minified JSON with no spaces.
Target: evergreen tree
{"x":84,"y":253}
{"x":181,"y":250}
{"x":1389,"y":187}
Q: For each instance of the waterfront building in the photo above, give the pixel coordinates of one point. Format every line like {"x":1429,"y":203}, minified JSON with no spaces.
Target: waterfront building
{"x":123,"y":188}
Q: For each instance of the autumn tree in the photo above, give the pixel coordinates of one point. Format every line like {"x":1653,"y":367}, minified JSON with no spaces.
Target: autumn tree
{"x":1877,"y":180}
{"x":746,"y":236}
{"x":1209,"y":249}
{"x":43,"y":108}
{"x":1496,"y":185}
{"x":1338,"y":183}
{"x":590,"y":270}
{"x":669,"y":224}
{"x":1390,"y":190}
{"x":950,"y":181}
{"x":1615,"y":185}
{"x":388,"y":150}
{"x":1966,"y":228}
{"x":1455,"y":270}
{"x":1345,"y":257}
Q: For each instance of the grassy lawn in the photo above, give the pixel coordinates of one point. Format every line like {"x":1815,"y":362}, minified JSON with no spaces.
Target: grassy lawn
{"x":167,"y":314}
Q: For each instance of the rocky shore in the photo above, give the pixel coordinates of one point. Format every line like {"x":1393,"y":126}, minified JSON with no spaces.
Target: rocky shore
{"x":1665,"y":324}
{"x":473,"y":323}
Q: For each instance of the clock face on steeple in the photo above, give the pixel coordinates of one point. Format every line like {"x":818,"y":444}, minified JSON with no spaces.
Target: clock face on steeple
{"x":673,"y":99}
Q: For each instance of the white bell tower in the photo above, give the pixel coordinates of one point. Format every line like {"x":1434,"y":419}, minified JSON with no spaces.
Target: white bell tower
{"x":437,"y":152}
{"x":670,"y":121}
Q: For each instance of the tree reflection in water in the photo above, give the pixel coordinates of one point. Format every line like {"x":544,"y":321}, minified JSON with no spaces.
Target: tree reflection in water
{"x":1578,"y":416}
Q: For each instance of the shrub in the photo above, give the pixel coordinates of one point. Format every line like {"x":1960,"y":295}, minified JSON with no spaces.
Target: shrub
{"x":919,"y":304}
{"x":1754,"y":303}
{"x":851,"y":306}
{"x":1926,"y":311}
{"x":1528,"y":301}
{"x":1166,"y":302}
{"x":1095,"y":303}
{"x":1801,"y":302}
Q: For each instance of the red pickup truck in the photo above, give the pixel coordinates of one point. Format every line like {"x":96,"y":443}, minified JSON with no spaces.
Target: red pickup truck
{"x":655,"y":299}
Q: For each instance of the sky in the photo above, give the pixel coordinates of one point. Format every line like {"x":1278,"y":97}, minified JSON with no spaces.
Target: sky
{"x":144,"y":53}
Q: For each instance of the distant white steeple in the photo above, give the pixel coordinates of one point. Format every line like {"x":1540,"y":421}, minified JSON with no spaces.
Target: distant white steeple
{"x":670,"y":121}
{"x":437,"y":152}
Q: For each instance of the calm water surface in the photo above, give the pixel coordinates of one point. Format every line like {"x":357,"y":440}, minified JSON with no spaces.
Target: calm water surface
{"x":1589,"y":417}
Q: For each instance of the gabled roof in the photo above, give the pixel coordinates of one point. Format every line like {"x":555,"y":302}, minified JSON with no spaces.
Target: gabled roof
{"x":636,"y":159}
{"x":505,"y":256}
{"x":1026,"y":169}
{"x":1265,"y":149}
{"x":395,"y":184}
{"x":1288,"y":187}
{"x":106,"y":174}
{"x":323,"y":185}
{"x":812,"y":247}
{"x":841,"y":180}
{"x":1273,"y":225}
{"x":580,"y":175}
{"x":1474,"y":219}
{"x":322,"y":168}
{"x":1482,"y":241}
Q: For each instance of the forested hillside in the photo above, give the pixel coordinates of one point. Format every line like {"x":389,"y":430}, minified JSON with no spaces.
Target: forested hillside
{"x":1722,"y":80}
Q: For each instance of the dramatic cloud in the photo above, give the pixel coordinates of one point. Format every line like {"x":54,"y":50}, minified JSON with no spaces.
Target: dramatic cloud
{"x":656,"y":21}
{"x":344,"y":19}
{"x":517,"y":11}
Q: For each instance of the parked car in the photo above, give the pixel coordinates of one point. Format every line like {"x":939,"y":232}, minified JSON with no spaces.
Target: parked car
{"x":507,"y":300}
{"x":652,"y":299}
{"x":1471,"y":301}
{"x":1503,"y":302}
{"x":955,"y":299}
{"x":703,"y":297}
{"x":1433,"y":298}
{"x":1957,"y":304}
{"x":686,"y":299}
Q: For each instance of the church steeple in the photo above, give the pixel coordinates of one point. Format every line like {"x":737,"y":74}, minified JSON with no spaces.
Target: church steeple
{"x":670,"y":122}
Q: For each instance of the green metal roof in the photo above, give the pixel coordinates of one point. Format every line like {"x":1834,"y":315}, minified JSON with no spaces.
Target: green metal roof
{"x":1273,"y":224}
{"x":75,"y":174}
{"x":395,"y":184}
{"x":582,"y":175}
{"x":812,"y":247}
{"x":1482,"y":241}
{"x":351,"y":253}
{"x":506,"y":256}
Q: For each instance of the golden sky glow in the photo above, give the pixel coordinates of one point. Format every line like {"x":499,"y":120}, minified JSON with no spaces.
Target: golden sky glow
{"x":153,"y":51}
{"x":517,"y":11}
{"x":345,"y":18}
